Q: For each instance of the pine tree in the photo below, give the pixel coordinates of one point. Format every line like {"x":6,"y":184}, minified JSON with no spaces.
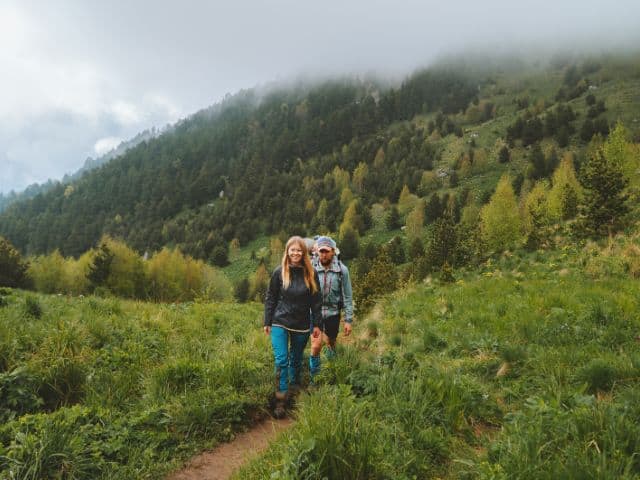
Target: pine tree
{"x":504,"y":156}
{"x":501,"y":223}
{"x":100,"y":268}
{"x":442,"y":245}
{"x":396,"y":250}
{"x":538,"y":166}
{"x":536,"y":215}
{"x":415,"y":222}
{"x":565,"y":191}
{"x":392,"y":220}
{"x":433,"y":209}
{"x":605,"y":199}
{"x":380,"y":280}
{"x":349,"y":241}
{"x":241,"y":290}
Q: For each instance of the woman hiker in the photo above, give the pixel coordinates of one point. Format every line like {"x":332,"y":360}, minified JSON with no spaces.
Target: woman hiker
{"x":292,"y":304}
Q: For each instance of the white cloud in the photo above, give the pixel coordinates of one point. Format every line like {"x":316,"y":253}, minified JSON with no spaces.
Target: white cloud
{"x":125,"y":113}
{"x":75,"y":73}
{"x":105,"y":145}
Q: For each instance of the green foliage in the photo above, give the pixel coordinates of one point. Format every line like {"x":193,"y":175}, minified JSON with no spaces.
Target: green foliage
{"x":349,"y":241}
{"x":392,"y":220}
{"x":415,"y":222}
{"x":116,"y":389}
{"x":259,"y":284}
{"x":241,"y":290}
{"x":598,"y":374}
{"x":442,"y":247}
{"x":604,"y":205}
{"x":180,"y":376}
{"x":380,"y":280}
{"x":537,"y":217}
{"x":100,"y":267}
{"x":12,"y":268}
{"x":32,"y":307}
{"x":173,"y":276}
{"x":501,"y":224}
{"x":502,"y":359}
{"x":18,"y":394}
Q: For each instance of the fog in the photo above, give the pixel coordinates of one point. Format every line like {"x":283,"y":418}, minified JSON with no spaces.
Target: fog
{"x":78,"y":77}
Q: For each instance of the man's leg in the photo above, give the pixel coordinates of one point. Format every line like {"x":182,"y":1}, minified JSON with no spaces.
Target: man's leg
{"x":332,"y":325}
{"x":314,"y":358}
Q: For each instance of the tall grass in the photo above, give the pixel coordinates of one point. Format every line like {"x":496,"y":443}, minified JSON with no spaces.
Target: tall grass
{"x":534,"y":375}
{"x":107,"y":388}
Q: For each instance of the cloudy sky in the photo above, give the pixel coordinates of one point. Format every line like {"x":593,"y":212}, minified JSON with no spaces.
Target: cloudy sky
{"x":80,"y":76}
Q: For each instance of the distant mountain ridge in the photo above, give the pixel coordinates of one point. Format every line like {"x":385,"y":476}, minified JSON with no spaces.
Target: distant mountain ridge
{"x":89,"y":164}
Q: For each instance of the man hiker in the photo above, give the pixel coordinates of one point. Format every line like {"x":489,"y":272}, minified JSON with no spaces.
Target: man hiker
{"x":337,"y":295}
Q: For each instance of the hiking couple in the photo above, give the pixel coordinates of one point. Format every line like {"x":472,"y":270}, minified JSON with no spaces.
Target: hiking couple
{"x":304,"y":299}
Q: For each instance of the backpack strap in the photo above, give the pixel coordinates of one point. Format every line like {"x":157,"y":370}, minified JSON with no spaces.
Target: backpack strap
{"x":341,"y":302}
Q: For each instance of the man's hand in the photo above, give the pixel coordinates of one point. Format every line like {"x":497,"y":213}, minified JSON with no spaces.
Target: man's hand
{"x":347,"y":329}
{"x":316,"y":332}
{"x":267,"y":329}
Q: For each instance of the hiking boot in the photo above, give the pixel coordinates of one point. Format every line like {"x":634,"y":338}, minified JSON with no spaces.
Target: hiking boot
{"x":280,"y":406}
{"x":294,"y":390}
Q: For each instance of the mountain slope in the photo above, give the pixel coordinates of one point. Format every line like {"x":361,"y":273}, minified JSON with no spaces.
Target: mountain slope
{"x":259,"y":164}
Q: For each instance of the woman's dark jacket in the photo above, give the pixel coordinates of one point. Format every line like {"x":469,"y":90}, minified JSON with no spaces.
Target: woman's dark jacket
{"x":295,"y":308}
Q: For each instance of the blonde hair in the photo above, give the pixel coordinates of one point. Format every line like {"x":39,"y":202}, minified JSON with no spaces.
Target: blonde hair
{"x":309,"y":272}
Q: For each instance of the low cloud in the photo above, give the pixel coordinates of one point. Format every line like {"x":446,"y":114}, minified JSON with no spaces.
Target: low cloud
{"x":76,"y":73}
{"x":105,"y":145}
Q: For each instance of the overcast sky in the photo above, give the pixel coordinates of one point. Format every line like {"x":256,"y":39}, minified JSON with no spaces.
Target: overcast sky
{"x":80,"y":76}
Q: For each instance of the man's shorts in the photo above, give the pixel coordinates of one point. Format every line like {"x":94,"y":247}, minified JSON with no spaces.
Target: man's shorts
{"x":331,"y":326}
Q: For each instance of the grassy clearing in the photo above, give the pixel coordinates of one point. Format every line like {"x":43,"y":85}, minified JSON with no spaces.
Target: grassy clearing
{"x":105,"y":388}
{"x":525,"y":369}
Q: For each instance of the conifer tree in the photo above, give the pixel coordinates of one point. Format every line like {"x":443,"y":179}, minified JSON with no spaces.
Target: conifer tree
{"x":100,"y":268}
{"x":433,"y":209}
{"x":349,"y":241}
{"x":536,"y":215}
{"x":396,"y":250}
{"x":442,"y":245}
{"x":406,"y":201}
{"x":501,"y":223}
{"x":415,"y":222}
{"x":259,"y":283}
{"x":565,"y":191}
{"x":360,"y":177}
{"x":538,"y":167}
{"x":504,"y":156}
{"x":241,"y":290}
{"x":604,"y":206}
{"x":380,"y":280}
{"x":392,"y":220}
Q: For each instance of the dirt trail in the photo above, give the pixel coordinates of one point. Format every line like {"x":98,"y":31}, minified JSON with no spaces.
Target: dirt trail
{"x":226,"y":458}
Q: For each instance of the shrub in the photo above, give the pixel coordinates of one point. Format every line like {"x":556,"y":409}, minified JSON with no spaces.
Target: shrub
{"x":63,"y":383}
{"x":207,"y":413}
{"x":13,"y":270}
{"x":598,"y":374}
{"x":177,"y":377}
{"x":18,"y":394}
{"x":32,"y":307}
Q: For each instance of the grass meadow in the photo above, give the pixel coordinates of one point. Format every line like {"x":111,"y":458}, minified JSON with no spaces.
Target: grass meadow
{"x":94,"y":388}
{"x":527,"y":369}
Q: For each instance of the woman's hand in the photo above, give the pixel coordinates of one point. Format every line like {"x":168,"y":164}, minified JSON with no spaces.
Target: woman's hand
{"x":267,"y":329}
{"x":316,"y":332}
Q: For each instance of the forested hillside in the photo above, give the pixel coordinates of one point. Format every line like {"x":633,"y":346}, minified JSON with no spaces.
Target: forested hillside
{"x":302,"y":159}
{"x":89,"y":164}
